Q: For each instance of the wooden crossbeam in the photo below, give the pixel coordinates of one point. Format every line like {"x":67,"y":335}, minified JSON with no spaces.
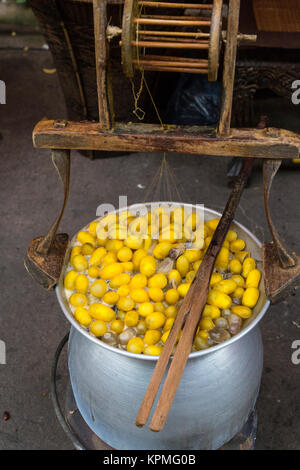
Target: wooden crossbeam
{"x":257,"y":143}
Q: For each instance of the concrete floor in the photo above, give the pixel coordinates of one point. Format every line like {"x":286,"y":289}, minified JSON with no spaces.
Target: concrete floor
{"x":31,"y":323}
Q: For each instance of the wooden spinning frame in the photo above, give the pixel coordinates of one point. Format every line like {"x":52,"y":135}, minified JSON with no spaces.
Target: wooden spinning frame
{"x":282,"y":270}
{"x":141,"y":32}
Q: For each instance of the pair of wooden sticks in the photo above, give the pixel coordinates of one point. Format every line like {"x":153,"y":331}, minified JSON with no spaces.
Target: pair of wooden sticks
{"x":188,"y":317}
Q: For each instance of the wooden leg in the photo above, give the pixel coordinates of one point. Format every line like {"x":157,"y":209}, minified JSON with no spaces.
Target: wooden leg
{"x":281,"y":269}
{"x":45,"y":255}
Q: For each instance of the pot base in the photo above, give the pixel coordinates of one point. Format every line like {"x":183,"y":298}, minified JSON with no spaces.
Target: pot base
{"x":83,"y":438}
{"x":243,"y":440}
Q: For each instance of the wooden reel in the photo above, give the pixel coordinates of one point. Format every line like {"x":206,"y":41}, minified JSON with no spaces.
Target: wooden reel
{"x":144,"y":29}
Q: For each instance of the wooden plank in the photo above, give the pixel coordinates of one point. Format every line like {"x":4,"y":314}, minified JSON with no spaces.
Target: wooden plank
{"x":257,"y":143}
{"x":229,"y":67}
{"x":101,"y":53}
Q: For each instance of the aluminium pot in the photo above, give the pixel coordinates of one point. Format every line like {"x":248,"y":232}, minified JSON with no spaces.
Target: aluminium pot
{"x":216,"y":394}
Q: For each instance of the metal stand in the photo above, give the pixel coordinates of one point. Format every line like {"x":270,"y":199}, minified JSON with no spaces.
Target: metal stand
{"x":83,"y":438}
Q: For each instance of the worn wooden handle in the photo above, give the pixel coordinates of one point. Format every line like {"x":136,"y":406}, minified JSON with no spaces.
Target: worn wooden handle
{"x":178,"y":363}
{"x":162,"y":363}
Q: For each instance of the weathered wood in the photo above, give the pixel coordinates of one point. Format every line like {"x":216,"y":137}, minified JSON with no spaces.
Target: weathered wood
{"x":171,"y":45}
{"x":190,"y":313}
{"x":177,"y":17}
{"x":171,"y":63}
{"x":181,"y":69}
{"x":45,"y":255}
{"x":136,"y":36}
{"x":279,"y":282}
{"x":258,"y":143}
{"x":198,"y":6}
{"x":215,"y":41}
{"x":46,"y":269}
{"x":196,"y":34}
{"x":164,"y":58}
{"x":168,"y":22}
{"x":281,"y":269}
{"x":142,"y":37}
{"x":229,"y":67}
{"x":101,"y":53}
{"x":61,"y":161}
{"x":270,"y":168}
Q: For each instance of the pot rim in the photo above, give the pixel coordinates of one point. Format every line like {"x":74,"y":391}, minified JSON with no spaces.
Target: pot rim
{"x":192,"y":355}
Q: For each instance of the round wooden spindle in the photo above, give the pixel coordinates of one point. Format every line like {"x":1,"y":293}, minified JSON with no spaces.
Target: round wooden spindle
{"x":147,"y":28}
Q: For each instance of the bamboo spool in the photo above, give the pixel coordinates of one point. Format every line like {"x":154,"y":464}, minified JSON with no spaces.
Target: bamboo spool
{"x":146,"y":28}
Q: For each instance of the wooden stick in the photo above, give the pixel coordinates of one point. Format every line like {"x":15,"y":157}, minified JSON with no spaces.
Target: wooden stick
{"x":196,"y":6}
{"x":171,"y":45}
{"x":177,"y":17}
{"x":101,"y":53}
{"x":173,"y":69}
{"x":190,"y":311}
{"x":162,"y":363}
{"x":171,"y":22}
{"x":170,"y":39}
{"x":169,"y":63}
{"x":229,"y":67}
{"x":163,"y":58}
{"x":173,"y":33}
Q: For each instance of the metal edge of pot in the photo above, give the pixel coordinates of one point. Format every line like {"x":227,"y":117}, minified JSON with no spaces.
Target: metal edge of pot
{"x":59,"y":290}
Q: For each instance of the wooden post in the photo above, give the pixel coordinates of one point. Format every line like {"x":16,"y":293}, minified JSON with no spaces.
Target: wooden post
{"x":229,"y":67}
{"x":101,"y":53}
{"x":45,"y":255}
{"x":214,"y":42}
